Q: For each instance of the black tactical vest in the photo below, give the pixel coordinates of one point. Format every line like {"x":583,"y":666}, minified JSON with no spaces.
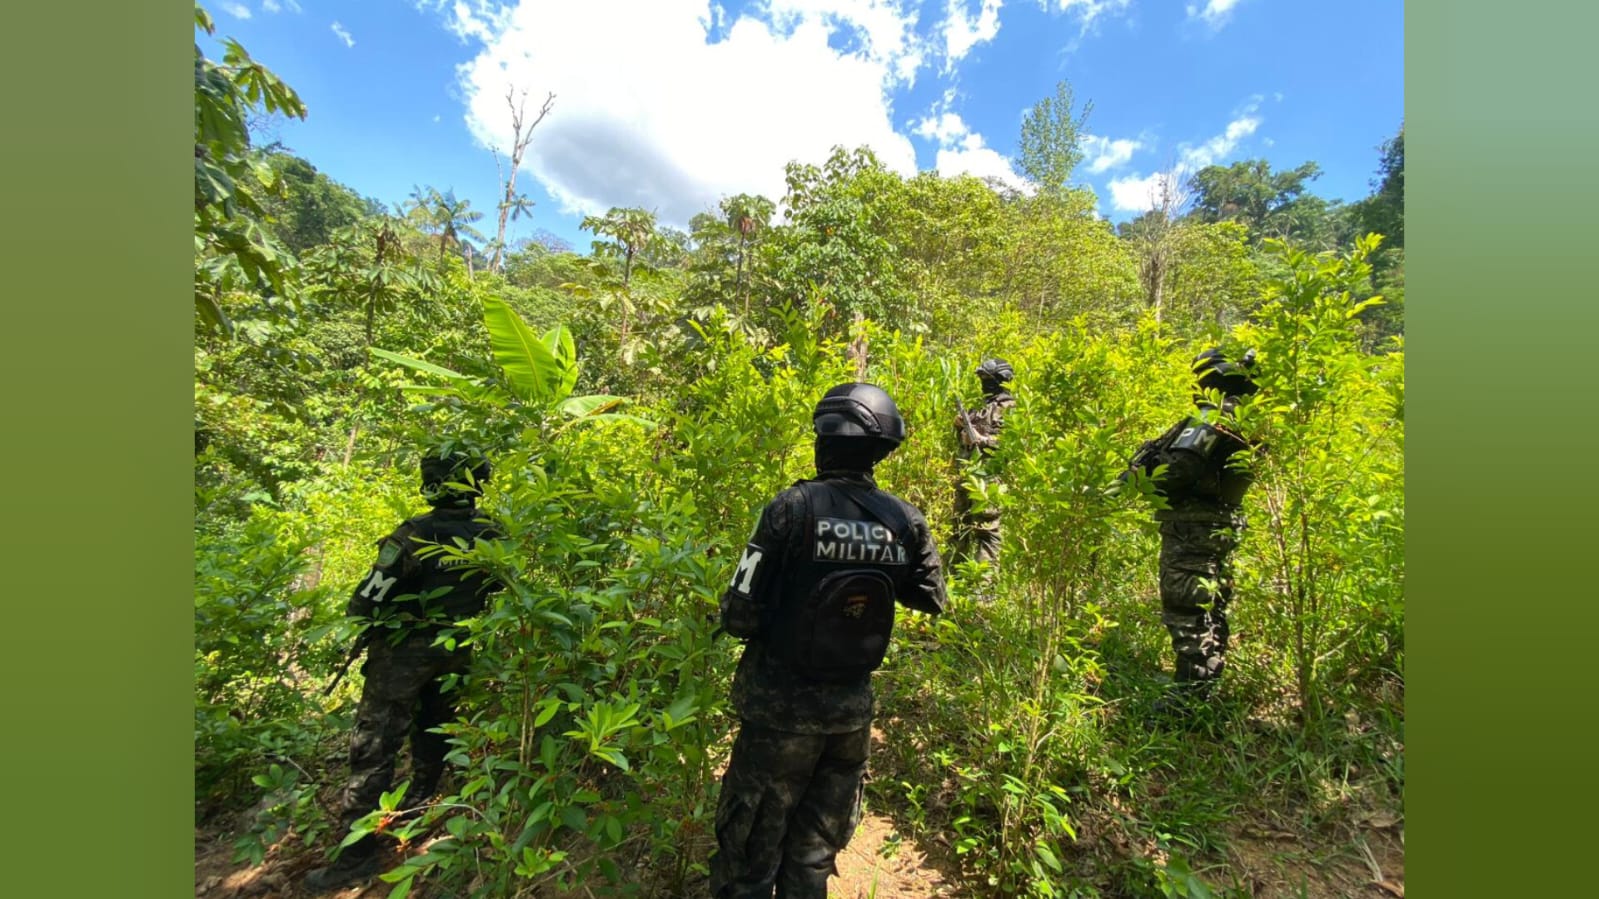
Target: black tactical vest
{"x":836,"y":606}
{"x":1217,"y":484}
{"x":465,"y":588}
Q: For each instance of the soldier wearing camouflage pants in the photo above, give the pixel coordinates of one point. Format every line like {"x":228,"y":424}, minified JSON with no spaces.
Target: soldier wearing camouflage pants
{"x":814,"y":595}
{"x":1203,"y":485}
{"x":977,"y":529}
{"x":407,"y":597}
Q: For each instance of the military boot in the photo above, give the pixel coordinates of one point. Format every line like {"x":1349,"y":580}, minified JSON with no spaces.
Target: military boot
{"x":359,"y":860}
{"x":1179,"y":702}
{"x":1189,"y":691}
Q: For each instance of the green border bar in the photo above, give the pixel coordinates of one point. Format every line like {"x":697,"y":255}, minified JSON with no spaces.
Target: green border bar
{"x":1503,"y":614}
{"x":97,"y":667}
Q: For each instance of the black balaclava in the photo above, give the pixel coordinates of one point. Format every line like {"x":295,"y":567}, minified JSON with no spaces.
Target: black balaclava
{"x":853,"y":455}
{"x":438,"y":473}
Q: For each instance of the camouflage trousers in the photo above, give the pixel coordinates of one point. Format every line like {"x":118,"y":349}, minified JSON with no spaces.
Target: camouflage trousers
{"x":789,"y":804}
{"x":976,"y":531}
{"x":1196,"y":585}
{"x":402,"y":699}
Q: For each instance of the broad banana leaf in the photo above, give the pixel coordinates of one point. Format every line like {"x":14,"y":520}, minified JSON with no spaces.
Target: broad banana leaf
{"x":409,"y":362}
{"x":529,"y":366}
{"x":559,"y":341}
{"x":597,"y":407}
{"x":579,"y":406}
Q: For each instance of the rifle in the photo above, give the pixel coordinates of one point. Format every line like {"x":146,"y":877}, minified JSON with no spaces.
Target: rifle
{"x":1148,"y":455}
{"x":1143,"y":460}
{"x":355,"y":651}
{"x":966,"y":419}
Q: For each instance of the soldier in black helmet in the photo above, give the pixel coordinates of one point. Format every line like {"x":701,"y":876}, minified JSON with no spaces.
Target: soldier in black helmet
{"x":814,"y":596}
{"x":1203,"y":483}
{"x":977,"y":529}
{"x":412,"y":592}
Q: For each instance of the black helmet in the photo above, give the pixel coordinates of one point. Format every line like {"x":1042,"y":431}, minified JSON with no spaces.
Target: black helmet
{"x":858,"y":410}
{"x":1214,"y":372}
{"x":995,"y":371}
{"x":441,"y":470}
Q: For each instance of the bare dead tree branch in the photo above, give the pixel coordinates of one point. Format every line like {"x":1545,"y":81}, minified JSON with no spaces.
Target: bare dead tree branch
{"x":521,"y":136}
{"x":1157,"y":235}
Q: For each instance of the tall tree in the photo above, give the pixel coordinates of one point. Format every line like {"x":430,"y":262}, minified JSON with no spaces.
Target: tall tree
{"x":1155,"y":236}
{"x":1384,"y":211}
{"x":512,"y":204}
{"x":312,"y":206}
{"x":450,"y":218}
{"x":629,"y":231}
{"x":234,"y":248}
{"x":366,"y":266}
{"x":748,"y":217}
{"x":1268,"y":203}
{"x":833,"y":247}
{"x":1051,"y":140}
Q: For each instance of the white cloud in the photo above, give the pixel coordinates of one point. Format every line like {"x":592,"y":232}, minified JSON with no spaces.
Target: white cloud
{"x":1103,"y":153}
{"x":962,"y":151}
{"x":274,"y":6}
{"x":344,"y":34}
{"x":962,"y":32}
{"x":1214,"y":12}
{"x":971,"y":157}
{"x":1139,"y":193}
{"x":1088,"y":10}
{"x":236,"y":10}
{"x":469,"y":19}
{"x":886,"y":29}
{"x":946,"y":128}
{"x":653,"y":115}
{"x":1222,"y":144}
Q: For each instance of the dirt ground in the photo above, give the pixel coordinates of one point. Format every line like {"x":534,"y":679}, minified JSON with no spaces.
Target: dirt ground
{"x":1364,"y":860}
{"x":882,"y":864}
{"x":1277,"y":865}
{"x":877,"y":864}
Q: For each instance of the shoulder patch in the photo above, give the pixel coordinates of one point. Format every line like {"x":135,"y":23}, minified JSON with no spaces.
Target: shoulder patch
{"x":749,"y":567}
{"x":388,"y":553}
{"x":1200,"y":438}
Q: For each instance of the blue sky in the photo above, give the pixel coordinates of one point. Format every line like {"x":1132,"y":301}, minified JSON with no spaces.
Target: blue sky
{"x":672,"y":104}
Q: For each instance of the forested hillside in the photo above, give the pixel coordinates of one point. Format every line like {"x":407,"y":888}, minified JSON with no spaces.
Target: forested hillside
{"x":643,"y":397}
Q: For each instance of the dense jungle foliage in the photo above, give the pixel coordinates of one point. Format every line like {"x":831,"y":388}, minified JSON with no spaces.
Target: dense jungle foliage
{"x":643,"y":398}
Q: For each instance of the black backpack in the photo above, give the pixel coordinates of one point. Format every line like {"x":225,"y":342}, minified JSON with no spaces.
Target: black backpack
{"x":838,"y":631}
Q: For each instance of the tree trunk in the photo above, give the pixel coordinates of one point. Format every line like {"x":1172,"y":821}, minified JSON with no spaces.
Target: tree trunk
{"x":497,"y":263}
{"x":856,"y":351}
{"x":738,"y":278}
{"x":519,"y":141}
{"x":349,"y":446}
